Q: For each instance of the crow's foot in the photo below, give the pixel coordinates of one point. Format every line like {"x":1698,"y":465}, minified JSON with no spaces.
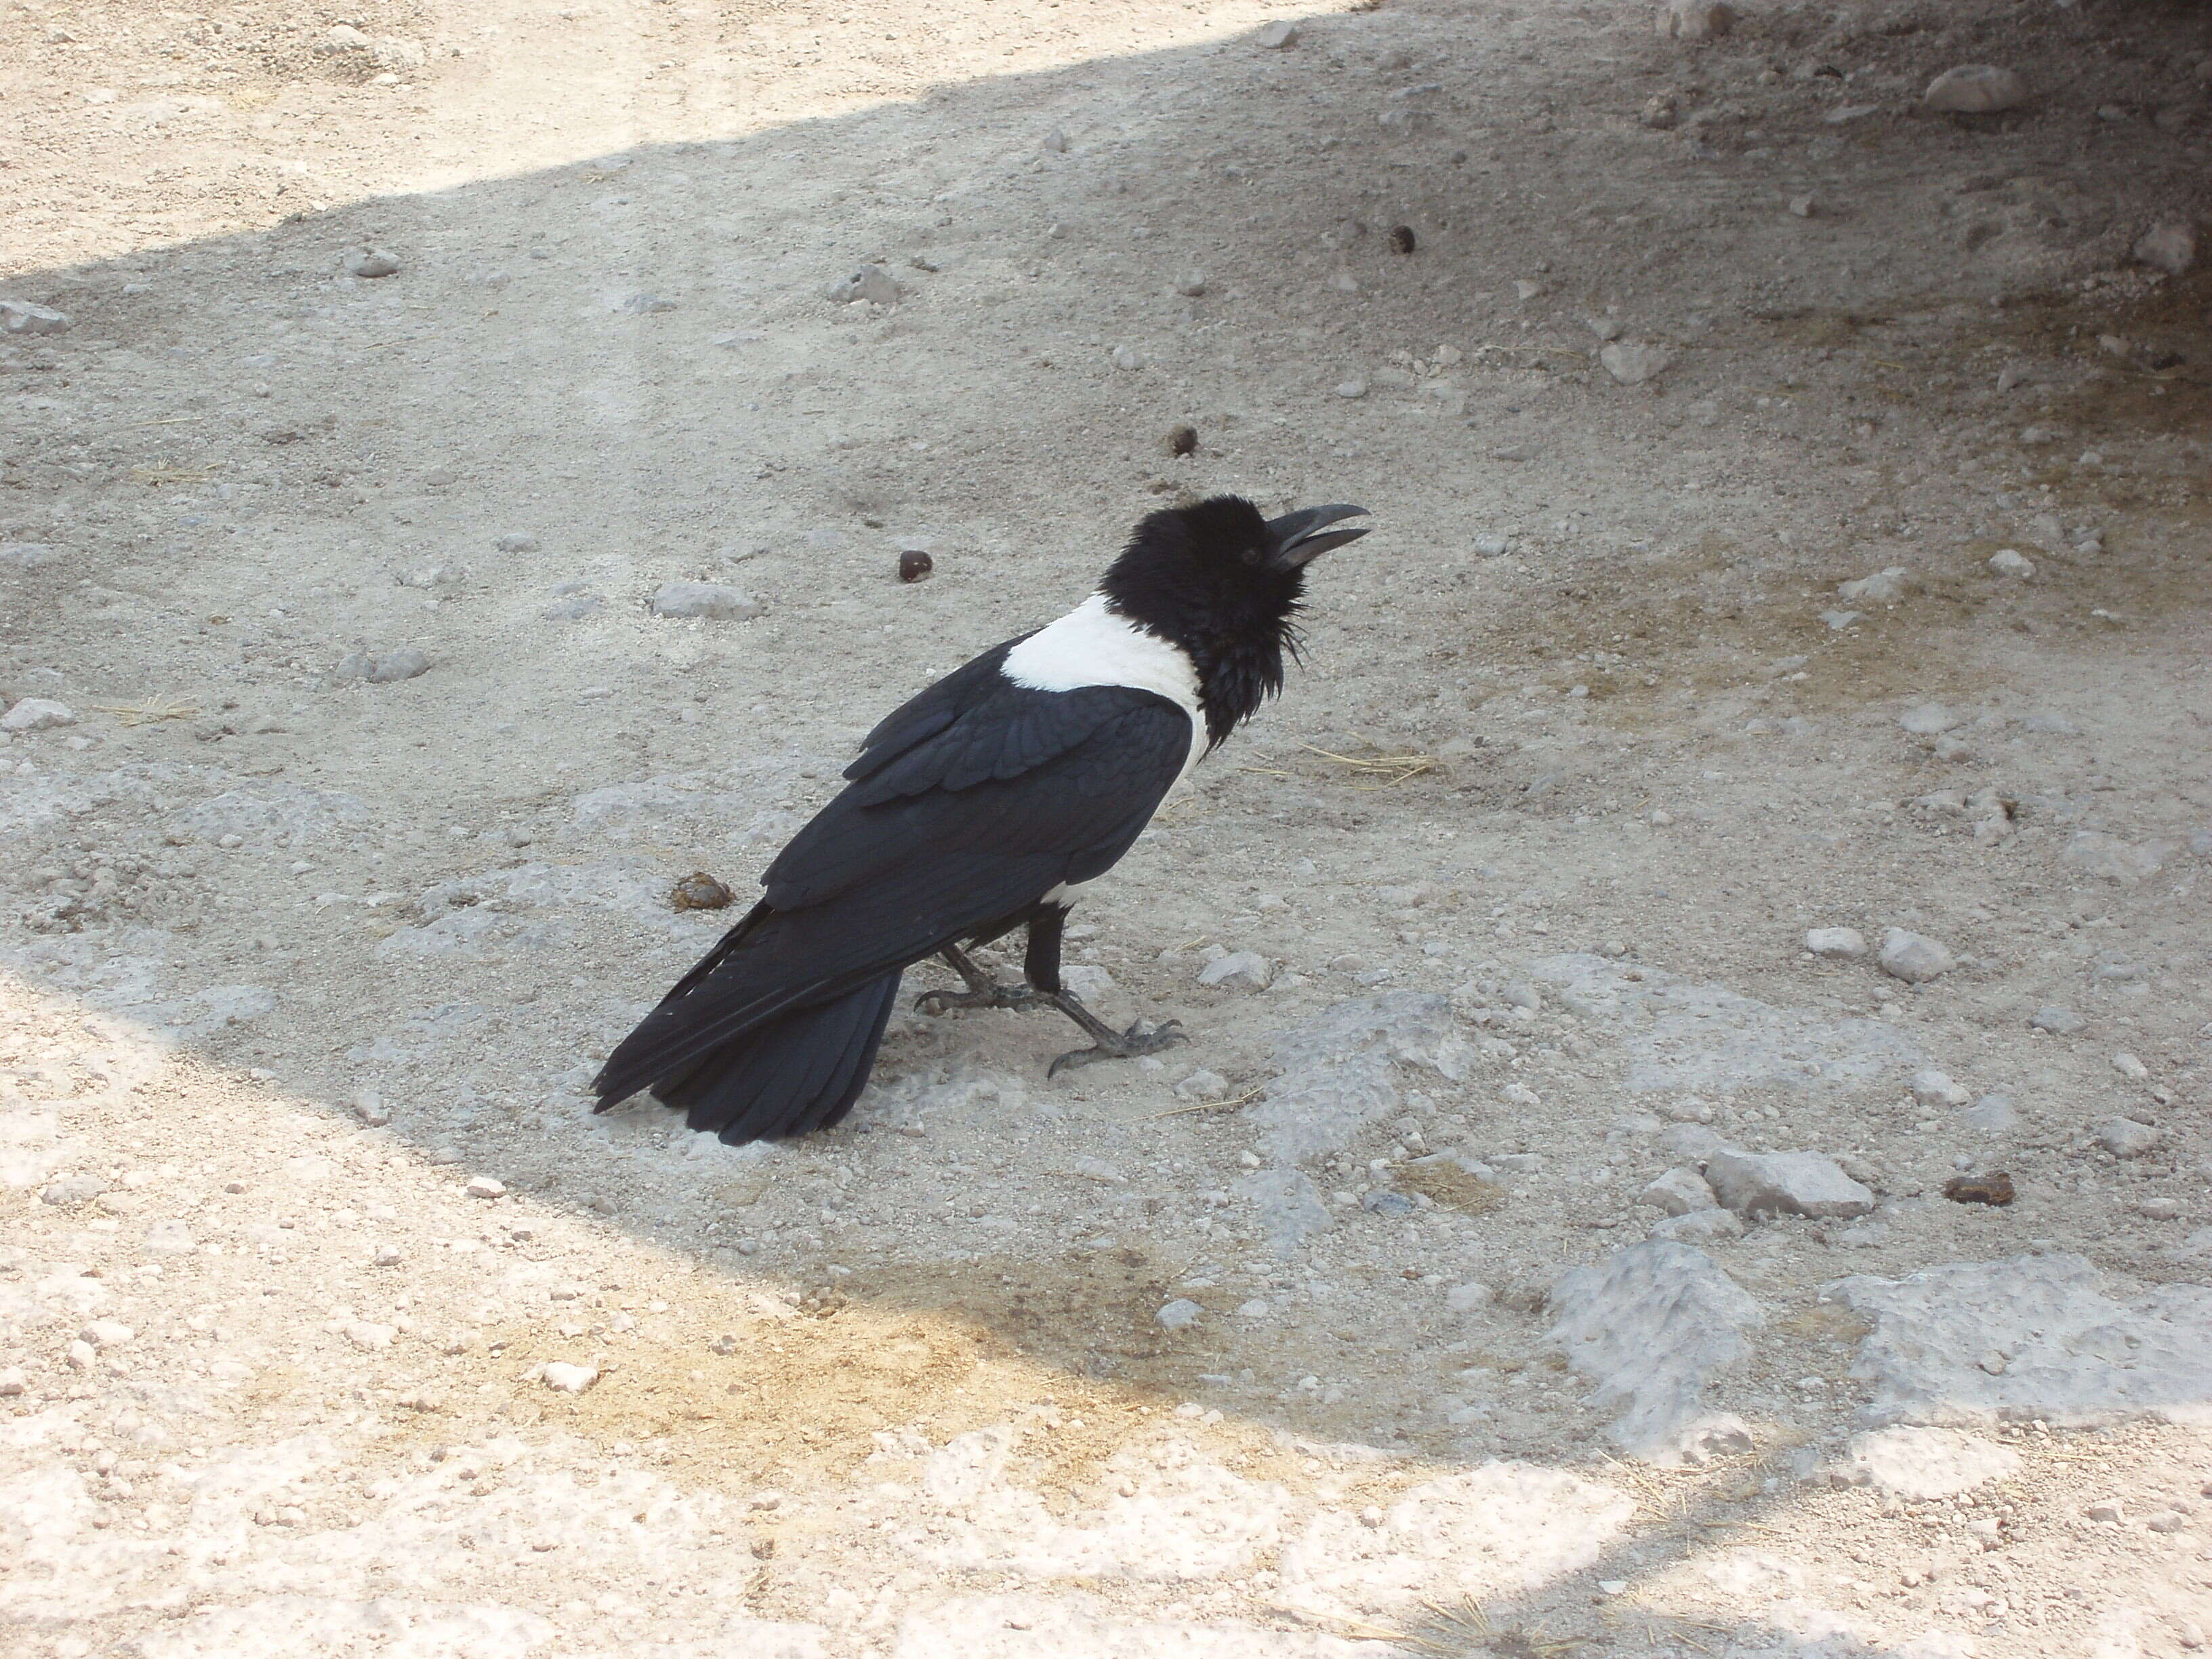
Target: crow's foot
{"x":985,"y":995}
{"x":1139,"y":1039}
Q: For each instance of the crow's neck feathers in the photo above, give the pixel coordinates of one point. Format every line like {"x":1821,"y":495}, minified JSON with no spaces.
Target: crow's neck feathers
{"x":1200,"y":579}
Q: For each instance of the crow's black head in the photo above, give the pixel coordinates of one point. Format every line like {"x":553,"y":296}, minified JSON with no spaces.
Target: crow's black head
{"x":1224,"y":583}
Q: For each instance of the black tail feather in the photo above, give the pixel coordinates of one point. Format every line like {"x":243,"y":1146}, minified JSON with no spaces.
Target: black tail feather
{"x":801,"y":1070}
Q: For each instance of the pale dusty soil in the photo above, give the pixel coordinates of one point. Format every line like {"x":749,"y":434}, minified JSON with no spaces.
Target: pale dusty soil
{"x":900,"y":1389}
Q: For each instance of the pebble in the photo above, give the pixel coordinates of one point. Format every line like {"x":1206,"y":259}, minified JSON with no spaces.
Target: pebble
{"x":563,"y":1378}
{"x":1712,"y":1226}
{"x":1932,"y":1088}
{"x":369,"y":1336}
{"x":383,"y":668}
{"x":516,"y":542}
{"x":1975,"y":89}
{"x":1402,"y":240}
{"x":1276,"y":36}
{"x":1632,"y":365}
{"x":1203,"y":1085}
{"x":644,"y":304}
{"x":1191,"y":284}
{"x":2011,"y":561}
{"x":1383,"y":1202}
{"x":1526,"y":290}
{"x":1914,"y":958}
{"x":2129,"y":1068}
{"x":22,"y":316}
{"x":1660,"y":112}
{"x":1490,"y":544}
{"x":1352,"y":388}
{"x":1126,"y":357}
{"x":1694,"y":20}
{"x":700,"y":892}
{"x":576,"y":602}
{"x":2169,"y":246}
{"x":107,"y":1333}
{"x":1883,"y":588}
{"x":1992,"y":1114}
{"x":1468,"y":1297}
{"x":2159,"y":1209}
{"x":1994,"y":1189}
{"x":870,"y":282}
{"x":28,"y":556}
{"x":2059,"y":1022}
{"x":1240,"y":971}
{"x":1182,"y":440}
{"x":388,"y":1255}
{"x":1845,"y":942}
{"x":1793,"y":1183}
{"x":72,"y":1190}
{"x":1839,"y":620}
{"x":372,"y":262}
{"x":1803,"y":207}
{"x":485,"y":1187}
{"x":12,"y":1381}
{"x":713,"y":601}
{"x":2122,"y":1137}
{"x":1605,"y":328}
{"x":1179,"y":1314}
{"x":37,"y":714}
{"x":1056,"y":142}
{"x":1678,"y":1192}
{"x":1928,"y":719}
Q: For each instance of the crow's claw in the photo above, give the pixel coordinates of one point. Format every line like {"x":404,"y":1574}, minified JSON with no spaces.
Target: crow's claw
{"x":1127,"y":1045}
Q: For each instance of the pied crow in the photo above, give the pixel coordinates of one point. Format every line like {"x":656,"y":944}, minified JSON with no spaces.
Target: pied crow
{"x":980,"y":806}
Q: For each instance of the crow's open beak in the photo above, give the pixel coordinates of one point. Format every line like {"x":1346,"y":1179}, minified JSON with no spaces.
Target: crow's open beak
{"x":1301,"y":537}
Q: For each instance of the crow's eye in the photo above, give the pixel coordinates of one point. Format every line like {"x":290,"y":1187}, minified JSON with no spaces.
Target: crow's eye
{"x":1253,"y":555}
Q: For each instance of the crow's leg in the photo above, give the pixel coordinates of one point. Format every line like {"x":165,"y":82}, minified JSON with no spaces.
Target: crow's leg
{"x":982,"y":992}
{"x":1041,"y":967}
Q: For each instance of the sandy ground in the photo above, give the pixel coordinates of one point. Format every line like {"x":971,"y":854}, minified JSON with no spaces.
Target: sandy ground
{"x":332,"y":1324}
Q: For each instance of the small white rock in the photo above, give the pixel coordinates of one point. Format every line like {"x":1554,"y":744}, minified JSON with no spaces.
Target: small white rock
{"x":1975,"y":89}
{"x":107,"y":1333}
{"x":1991,"y":1114}
{"x":2169,"y":246}
{"x":2129,"y":1068}
{"x":21,"y":316}
{"x":485,"y":1187}
{"x":563,"y":1378}
{"x":1928,"y":719}
{"x":713,"y":601}
{"x":12,"y":1381}
{"x":1932,"y":1088}
{"x":1632,"y":365}
{"x":1694,"y":20}
{"x":1465,"y":1298}
{"x":372,"y":262}
{"x":1489,"y":544}
{"x":1914,"y":958}
{"x":2122,"y":1137}
{"x":1203,"y":1085}
{"x":870,"y":282}
{"x":1678,"y":1192}
{"x":1883,"y":588}
{"x":1352,"y":388}
{"x":369,"y":1336}
{"x":1845,"y":942}
{"x":37,"y":714}
{"x":1277,"y":35}
{"x":1179,"y":1314}
{"x":1240,"y":971}
{"x":1793,"y":1183}
{"x":1711,"y":1227}
{"x":1191,"y":284}
{"x":2011,"y":561}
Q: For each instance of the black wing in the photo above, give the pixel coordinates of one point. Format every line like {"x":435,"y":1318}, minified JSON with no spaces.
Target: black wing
{"x":964,"y":822}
